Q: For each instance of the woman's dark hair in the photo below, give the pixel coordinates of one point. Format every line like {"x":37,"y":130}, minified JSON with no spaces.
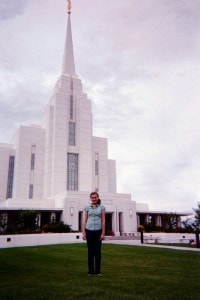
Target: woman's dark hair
{"x":95,"y":193}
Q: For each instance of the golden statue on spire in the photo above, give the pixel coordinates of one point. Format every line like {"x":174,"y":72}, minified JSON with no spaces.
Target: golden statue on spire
{"x":69,"y":6}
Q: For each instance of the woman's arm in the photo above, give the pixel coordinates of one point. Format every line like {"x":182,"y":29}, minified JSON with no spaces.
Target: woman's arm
{"x":103,"y":222}
{"x":84,"y":226}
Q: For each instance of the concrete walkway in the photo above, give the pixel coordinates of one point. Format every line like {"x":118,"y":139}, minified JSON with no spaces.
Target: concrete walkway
{"x":138,"y":243}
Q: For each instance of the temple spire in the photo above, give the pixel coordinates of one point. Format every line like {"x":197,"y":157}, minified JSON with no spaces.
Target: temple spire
{"x":69,"y":6}
{"x":68,"y":66}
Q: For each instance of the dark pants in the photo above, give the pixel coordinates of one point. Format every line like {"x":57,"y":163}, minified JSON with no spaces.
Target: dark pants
{"x":94,"y":251}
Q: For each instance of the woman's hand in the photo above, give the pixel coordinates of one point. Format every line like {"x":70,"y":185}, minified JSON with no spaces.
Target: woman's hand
{"x":102,"y":237}
{"x":84,"y":236}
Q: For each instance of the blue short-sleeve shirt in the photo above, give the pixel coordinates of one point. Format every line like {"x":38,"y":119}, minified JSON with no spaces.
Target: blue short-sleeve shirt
{"x":94,"y":217}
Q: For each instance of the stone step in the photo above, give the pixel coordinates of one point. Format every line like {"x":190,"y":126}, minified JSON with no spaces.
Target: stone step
{"x":122,"y":237}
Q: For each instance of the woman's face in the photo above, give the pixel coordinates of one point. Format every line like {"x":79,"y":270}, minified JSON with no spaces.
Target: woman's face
{"x":94,"y":198}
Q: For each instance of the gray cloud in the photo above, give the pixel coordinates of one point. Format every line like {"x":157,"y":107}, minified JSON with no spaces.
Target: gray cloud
{"x":139,"y":63}
{"x":10,"y":8}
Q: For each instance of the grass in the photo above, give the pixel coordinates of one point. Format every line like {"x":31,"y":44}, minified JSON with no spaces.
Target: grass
{"x":129,"y":272}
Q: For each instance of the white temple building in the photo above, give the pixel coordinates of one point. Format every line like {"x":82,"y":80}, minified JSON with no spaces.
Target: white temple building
{"x":52,"y":167}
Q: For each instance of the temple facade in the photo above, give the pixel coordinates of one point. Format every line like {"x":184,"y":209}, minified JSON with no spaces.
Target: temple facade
{"x":52,"y":167}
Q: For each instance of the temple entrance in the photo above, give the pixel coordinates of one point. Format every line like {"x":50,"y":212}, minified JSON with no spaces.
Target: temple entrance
{"x":109,"y":230}
{"x":45,"y":218}
{"x":120,"y":224}
{"x":80,"y":220}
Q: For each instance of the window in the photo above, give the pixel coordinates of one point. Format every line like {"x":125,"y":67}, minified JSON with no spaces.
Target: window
{"x":72,"y":133}
{"x":10,"y":176}
{"x":96,"y":172}
{"x":32,"y":161}
{"x":96,"y":164}
{"x":71,"y":107}
{"x":31,"y":191}
{"x":72,"y":172}
{"x":33,"y":147}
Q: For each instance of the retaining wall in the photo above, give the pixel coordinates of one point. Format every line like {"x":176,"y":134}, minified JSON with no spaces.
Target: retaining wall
{"x":21,"y":240}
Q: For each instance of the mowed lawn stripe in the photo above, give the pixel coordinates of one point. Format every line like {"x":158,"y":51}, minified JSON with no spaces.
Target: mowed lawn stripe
{"x":128,"y":272}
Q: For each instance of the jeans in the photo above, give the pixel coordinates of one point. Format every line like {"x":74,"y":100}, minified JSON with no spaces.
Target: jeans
{"x":94,"y":251}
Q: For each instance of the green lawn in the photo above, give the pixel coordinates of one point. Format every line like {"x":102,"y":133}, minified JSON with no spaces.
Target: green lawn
{"x":128,"y":272}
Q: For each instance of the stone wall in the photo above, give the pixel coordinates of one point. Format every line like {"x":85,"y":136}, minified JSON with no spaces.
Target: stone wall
{"x":21,"y":240}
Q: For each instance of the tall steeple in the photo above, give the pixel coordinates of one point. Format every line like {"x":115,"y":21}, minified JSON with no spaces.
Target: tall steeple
{"x":68,"y":66}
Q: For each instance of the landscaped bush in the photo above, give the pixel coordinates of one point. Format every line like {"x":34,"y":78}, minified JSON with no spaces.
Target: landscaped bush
{"x":149,"y":227}
{"x":26,"y":221}
{"x":56,"y":227}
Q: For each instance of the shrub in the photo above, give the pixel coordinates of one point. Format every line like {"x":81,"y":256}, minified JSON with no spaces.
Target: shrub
{"x":26,"y":221}
{"x":56,"y":227}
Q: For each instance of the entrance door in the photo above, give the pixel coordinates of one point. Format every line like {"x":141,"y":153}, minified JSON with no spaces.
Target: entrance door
{"x":45,"y":218}
{"x":80,"y":220}
{"x":109,"y":230}
{"x":120,"y":223}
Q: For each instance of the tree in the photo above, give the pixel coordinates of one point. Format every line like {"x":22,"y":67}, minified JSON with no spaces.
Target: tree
{"x":170,"y":221}
{"x":26,"y":221}
{"x":188,"y":225}
{"x":3,"y":222}
{"x":196,"y":222}
{"x":193,"y":224}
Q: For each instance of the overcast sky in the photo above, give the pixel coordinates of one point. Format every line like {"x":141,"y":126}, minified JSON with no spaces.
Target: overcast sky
{"x":139,"y":62}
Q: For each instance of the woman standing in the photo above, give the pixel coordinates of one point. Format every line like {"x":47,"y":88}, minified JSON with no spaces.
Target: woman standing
{"x":94,"y":232}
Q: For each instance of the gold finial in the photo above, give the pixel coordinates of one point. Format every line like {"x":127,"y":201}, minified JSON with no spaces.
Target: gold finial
{"x":69,"y":6}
